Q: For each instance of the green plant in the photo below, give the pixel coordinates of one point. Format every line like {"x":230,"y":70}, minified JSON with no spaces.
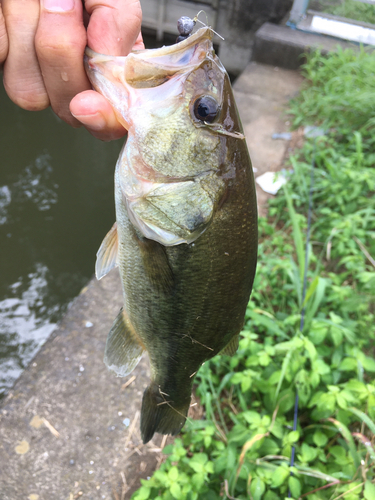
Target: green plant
{"x":339,"y":96}
{"x":350,"y":9}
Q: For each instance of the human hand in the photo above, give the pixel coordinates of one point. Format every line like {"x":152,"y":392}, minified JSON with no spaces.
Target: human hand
{"x":44,"y":62}
{"x":3,"y":38}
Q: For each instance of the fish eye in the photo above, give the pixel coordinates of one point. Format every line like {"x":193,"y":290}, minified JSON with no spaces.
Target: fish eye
{"x":206,"y":108}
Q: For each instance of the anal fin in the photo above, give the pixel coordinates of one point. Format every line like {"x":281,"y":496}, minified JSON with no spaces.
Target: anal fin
{"x":231,"y":347}
{"x":123,"y":349}
{"x":107,"y":254}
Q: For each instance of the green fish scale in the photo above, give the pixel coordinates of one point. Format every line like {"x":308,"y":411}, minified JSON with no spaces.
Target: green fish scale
{"x":185,"y":323}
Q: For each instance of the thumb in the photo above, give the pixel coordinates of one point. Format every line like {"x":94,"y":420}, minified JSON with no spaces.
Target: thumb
{"x":114,"y":26}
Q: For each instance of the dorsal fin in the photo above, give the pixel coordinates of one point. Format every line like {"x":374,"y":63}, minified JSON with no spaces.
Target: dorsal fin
{"x":107,"y":254}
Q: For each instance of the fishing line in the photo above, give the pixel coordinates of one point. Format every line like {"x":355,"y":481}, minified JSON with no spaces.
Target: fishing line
{"x":302,"y":323}
{"x":206,"y":25}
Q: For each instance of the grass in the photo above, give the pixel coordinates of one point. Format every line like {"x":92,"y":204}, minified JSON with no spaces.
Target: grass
{"x":242,"y":449}
{"x":349,"y":9}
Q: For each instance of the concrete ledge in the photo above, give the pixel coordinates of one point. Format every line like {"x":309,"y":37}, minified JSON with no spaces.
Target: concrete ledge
{"x":284,"y":47}
{"x":69,"y":427}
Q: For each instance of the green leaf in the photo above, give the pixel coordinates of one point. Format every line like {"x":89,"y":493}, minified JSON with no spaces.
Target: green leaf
{"x":277,"y":429}
{"x":176,"y":491}
{"x":349,"y":439}
{"x":270,"y":495}
{"x":310,"y":348}
{"x":142,"y":494}
{"x":369,"y":491}
{"x":320,"y":439}
{"x":321,"y":367}
{"x":297,"y":233}
{"x":311,"y":290}
{"x":197,"y":480}
{"x":198,"y":461}
{"x":348,"y":364}
{"x":237,"y":378}
{"x":279,"y":476}
{"x":245,"y":383}
{"x":368,"y":364}
{"x":295,"y":486}
{"x":173,"y":473}
{"x":308,"y":453}
{"x":257,"y":488}
{"x":252,"y":417}
{"x":293,"y":437}
{"x":317,"y":332}
{"x":284,"y":368}
{"x":318,"y":297}
{"x":347,"y":333}
{"x":337,"y":336}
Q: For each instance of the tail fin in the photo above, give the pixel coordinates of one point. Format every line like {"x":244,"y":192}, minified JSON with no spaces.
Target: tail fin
{"x":159,"y":414}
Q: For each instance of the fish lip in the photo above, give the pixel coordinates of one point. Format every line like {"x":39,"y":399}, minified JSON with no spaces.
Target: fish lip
{"x":197,"y":37}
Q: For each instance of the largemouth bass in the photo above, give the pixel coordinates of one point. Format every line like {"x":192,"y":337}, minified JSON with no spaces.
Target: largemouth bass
{"x":185,"y":237}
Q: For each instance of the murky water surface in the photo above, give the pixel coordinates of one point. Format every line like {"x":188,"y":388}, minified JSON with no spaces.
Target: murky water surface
{"x":56,"y":204}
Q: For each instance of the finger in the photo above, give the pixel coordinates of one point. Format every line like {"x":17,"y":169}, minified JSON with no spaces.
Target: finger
{"x":113,"y":28}
{"x":114,"y":25}
{"x":3,"y":38}
{"x":97,"y":115}
{"x":60,"y":43}
{"x":23,"y":80}
{"x":139,"y":45}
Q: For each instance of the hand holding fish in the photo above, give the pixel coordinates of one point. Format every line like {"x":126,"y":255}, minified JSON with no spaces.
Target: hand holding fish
{"x":42,"y":44}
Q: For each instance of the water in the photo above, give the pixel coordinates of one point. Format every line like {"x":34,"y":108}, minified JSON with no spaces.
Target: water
{"x":56,"y":205}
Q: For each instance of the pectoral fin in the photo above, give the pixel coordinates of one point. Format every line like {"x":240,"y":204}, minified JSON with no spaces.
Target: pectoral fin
{"x":231,"y":347}
{"x":155,"y":261}
{"x":107,"y":253}
{"x":123,"y":349}
{"x":173,"y":213}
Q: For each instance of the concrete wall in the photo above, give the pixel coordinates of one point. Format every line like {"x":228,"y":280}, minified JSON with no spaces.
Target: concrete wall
{"x":235,"y":20}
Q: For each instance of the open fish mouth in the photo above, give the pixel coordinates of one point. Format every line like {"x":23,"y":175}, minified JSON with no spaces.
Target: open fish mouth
{"x":166,"y":67}
{"x":158,"y":65}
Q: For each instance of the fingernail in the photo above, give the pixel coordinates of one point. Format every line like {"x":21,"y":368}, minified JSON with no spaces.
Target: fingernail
{"x":94,"y":122}
{"x":58,"y":5}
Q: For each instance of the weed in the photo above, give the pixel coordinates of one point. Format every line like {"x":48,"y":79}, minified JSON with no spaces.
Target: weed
{"x":350,"y":9}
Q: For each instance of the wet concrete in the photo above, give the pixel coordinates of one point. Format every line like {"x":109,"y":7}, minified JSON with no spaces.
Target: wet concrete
{"x":69,"y":428}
